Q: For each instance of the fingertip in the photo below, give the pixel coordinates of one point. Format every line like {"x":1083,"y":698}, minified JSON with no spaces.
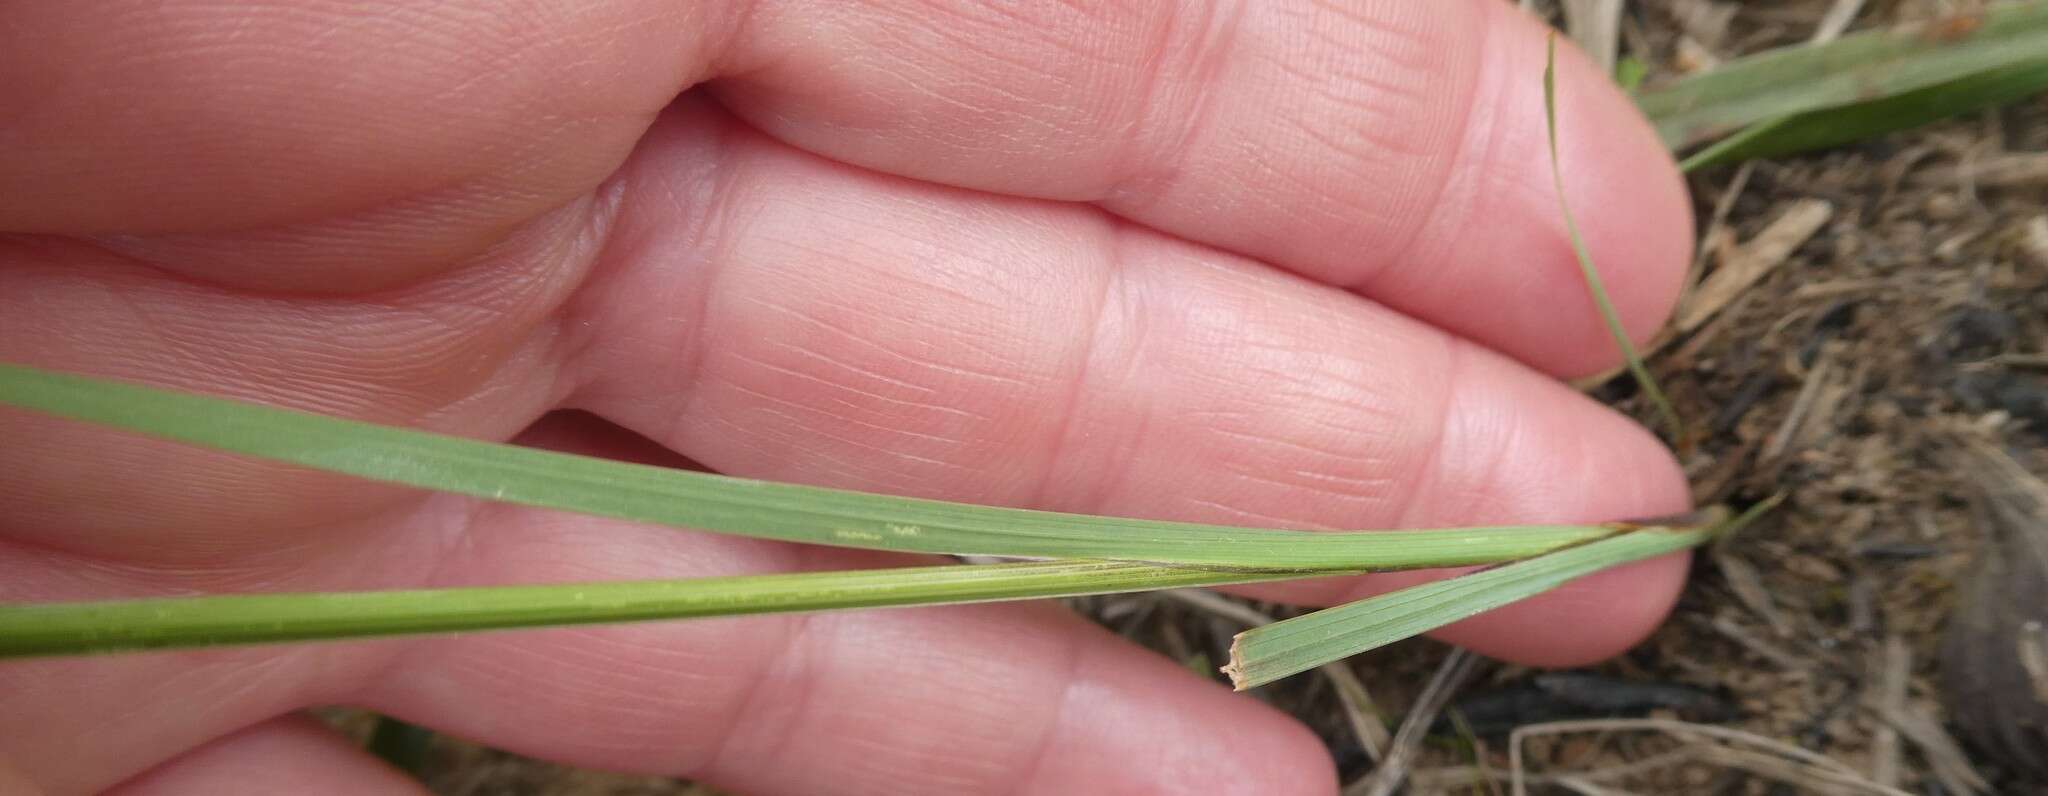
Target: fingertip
{"x":1583,"y":622}
{"x":1623,"y":189}
{"x":1570,"y":460}
{"x":1524,"y":450}
{"x":1633,"y":211}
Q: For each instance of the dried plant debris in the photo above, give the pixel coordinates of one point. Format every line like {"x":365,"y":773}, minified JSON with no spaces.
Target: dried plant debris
{"x":1723,"y":748}
{"x":1992,"y":656}
{"x":1839,"y":374}
{"x":1567,"y":695}
{"x":1743,"y":266}
{"x":1389,"y":774}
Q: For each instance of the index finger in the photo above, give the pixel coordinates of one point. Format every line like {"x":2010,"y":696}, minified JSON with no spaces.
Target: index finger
{"x":1391,"y":147}
{"x":1387,"y":146}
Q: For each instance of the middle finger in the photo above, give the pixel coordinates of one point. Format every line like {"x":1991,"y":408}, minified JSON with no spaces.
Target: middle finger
{"x":779,"y":316}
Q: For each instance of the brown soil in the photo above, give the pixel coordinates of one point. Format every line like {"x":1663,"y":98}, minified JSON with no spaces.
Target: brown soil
{"x":1854,"y":375}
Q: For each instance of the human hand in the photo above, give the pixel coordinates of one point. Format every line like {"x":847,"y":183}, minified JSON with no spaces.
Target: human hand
{"x":1284,"y":264}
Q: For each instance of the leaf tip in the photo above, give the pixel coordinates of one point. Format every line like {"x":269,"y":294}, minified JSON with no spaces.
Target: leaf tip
{"x":1749,"y":515}
{"x":1235,"y":668}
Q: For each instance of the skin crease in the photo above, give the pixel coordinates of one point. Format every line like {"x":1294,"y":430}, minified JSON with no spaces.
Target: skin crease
{"x":1292,"y":263}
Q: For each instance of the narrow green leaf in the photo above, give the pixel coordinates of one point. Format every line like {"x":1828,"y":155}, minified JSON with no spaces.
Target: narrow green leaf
{"x":738,"y":506}
{"x":1852,"y":69}
{"x":1594,"y":285}
{"x":42,"y":629}
{"x":1836,"y":126}
{"x":1264,"y":654}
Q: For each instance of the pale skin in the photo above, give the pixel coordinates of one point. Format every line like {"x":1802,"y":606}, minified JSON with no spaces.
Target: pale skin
{"x":1286,"y":263}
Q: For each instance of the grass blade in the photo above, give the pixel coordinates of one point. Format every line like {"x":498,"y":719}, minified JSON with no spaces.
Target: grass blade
{"x":28,"y":630}
{"x":1264,"y":654}
{"x":1849,"y":70}
{"x":737,"y":506}
{"x":1594,"y":286}
{"x":1849,"y":123}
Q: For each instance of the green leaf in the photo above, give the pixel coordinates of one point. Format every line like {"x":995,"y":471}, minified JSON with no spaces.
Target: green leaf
{"x":41,"y":629}
{"x":1849,"y":123}
{"x":1264,"y":654}
{"x":742,"y":507}
{"x":1595,"y":287}
{"x":1853,"y":69}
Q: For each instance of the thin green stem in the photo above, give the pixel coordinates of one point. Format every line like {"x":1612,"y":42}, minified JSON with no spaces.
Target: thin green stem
{"x":28,"y":630}
{"x":1594,"y":285}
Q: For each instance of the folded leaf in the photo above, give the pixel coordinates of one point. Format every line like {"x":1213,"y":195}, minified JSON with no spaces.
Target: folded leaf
{"x":1852,"y":69}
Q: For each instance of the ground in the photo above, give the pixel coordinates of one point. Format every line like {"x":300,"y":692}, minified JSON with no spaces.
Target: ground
{"x":1867,"y":338}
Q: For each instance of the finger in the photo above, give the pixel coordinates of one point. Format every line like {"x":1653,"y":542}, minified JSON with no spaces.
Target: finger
{"x":381,"y":237}
{"x":1395,"y":148}
{"x":288,"y":755}
{"x":831,"y":327}
{"x":472,"y":352}
{"x":314,"y":147}
{"x":191,"y":115}
{"x":1391,"y":147}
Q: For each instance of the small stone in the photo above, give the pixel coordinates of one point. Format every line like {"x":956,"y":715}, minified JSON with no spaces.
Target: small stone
{"x":1942,"y":207}
{"x":2034,"y":242}
{"x":1693,"y":56}
{"x":1814,"y":569}
{"x":1576,"y":751}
